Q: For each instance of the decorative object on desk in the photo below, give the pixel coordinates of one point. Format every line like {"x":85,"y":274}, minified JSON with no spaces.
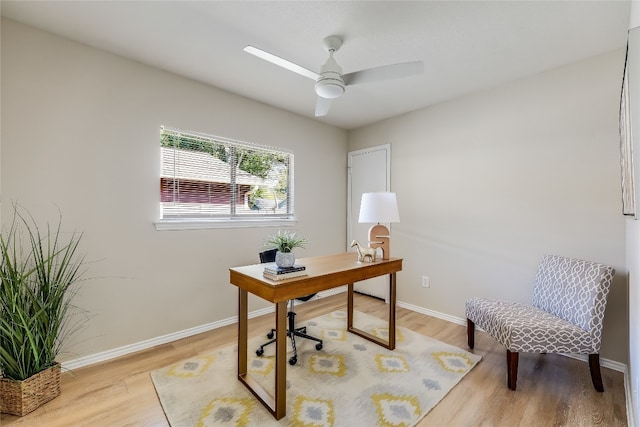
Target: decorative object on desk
{"x":351,"y":382}
{"x":284,"y":276}
{"x":273,"y":268}
{"x":364,"y":253}
{"x":285,"y":259}
{"x":285,"y":242}
{"x":273,"y":272}
{"x":379,"y":207}
{"x":39,"y":271}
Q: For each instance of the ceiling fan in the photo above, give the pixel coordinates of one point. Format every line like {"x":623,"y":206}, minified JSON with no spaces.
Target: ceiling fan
{"x":330,"y":82}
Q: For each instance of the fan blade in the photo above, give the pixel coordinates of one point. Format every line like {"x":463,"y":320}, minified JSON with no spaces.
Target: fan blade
{"x":281,"y":62}
{"x":322,"y":106}
{"x":385,"y":72}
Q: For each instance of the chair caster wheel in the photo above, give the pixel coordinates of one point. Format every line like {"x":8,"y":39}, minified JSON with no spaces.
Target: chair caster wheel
{"x":259,"y":352}
{"x":318,"y":346}
{"x":270,"y":335}
{"x":293,"y":361}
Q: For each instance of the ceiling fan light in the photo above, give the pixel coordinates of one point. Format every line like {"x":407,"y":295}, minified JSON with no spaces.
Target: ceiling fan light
{"x":329,"y":88}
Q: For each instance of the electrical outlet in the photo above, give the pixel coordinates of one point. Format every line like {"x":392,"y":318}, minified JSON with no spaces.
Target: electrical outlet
{"x":425,"y":282}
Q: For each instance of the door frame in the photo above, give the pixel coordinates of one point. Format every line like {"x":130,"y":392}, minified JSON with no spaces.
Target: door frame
{"x":350,"y":155}
{"x":373,"y":287}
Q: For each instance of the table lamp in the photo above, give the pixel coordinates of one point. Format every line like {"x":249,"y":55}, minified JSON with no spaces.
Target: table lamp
{"x":377,"y":208}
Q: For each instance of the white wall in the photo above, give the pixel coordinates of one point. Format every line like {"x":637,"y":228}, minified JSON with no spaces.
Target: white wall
{"x":634,"y":19}
{"x":80,"y":129}
{"x":490,"y":182}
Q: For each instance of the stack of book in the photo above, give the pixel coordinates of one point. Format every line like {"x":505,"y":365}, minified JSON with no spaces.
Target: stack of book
{"x":273,"y":272}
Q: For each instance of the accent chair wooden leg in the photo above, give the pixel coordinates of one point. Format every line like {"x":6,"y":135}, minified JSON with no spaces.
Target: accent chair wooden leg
{"x":596,"y":376}
{"x":512,"y":369}
{"x":471,"y":329}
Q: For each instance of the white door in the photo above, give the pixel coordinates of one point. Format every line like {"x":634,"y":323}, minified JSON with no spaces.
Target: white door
{"x":369,"y":171}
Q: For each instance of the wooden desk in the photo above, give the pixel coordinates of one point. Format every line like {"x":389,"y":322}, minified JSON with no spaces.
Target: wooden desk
{"x":323,"y":273}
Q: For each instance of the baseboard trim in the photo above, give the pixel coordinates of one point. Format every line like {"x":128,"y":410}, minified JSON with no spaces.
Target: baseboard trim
{"x":605,"y":363}
{"x":164,"y":339}
{"x":146,"y":344}
{"x":628,"y":393}
{"x":333,"y":291}
{"x":437,"y":314}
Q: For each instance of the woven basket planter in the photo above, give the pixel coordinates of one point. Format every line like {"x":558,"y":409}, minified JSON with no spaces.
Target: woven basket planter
{"x":21,"y":397}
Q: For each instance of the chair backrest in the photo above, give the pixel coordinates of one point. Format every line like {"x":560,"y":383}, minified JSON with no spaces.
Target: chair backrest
{"x":574,"y":290}
{"x":268,"y":256}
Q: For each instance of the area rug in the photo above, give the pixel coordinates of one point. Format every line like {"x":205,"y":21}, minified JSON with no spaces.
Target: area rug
{"x":350,"y":382}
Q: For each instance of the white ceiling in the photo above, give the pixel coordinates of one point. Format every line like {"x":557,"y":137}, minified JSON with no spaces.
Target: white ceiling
{"x":465,"y":46}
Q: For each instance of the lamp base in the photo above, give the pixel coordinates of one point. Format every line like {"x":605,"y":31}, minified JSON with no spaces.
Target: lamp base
{"x":379,"y":238}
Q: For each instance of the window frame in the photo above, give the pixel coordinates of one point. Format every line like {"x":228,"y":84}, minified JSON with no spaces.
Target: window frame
{"x":233,"y":220}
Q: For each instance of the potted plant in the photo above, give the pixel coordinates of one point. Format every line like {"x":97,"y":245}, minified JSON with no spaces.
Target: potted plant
{"x":38,"y":274}
{"x":285,"y":242}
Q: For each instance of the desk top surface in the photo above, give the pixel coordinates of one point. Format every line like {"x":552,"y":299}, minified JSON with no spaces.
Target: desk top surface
{"x":323,"y":272}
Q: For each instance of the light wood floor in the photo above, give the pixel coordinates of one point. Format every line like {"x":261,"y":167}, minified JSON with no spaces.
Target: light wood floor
{"x":552,"y":390}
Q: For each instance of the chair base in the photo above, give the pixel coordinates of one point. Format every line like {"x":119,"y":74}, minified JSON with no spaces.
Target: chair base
{"x":292,"y":333}
{"x":513,"y":357}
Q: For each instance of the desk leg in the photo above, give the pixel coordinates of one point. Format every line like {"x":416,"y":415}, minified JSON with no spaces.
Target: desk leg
{"x":350,"y":306}
{"x":391,"y":343}
{"x":243,"y":320}
{"x":392,"y":311}
{"x":281,"y":361}
{"x":277,"y":404}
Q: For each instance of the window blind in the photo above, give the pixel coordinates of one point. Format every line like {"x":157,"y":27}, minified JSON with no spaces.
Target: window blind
{"x":206,"y":177}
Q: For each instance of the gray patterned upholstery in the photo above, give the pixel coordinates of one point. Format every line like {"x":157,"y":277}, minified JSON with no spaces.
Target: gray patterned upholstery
{"x":566,"y":314}
{"x":528,"y":329}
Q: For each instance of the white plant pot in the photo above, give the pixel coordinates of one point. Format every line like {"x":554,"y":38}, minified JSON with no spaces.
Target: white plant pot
{"x":285,"y":259}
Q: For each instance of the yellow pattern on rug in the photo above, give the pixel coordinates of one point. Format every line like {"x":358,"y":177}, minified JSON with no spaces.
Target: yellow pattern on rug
{"x":350,"y":382}
{"x":232,"y":411}
{"x":191,"y":368}
{"x":310,"y":412}
{"x":387,"y":363}
{"x":393,"y":411}
{"x":453,"y":362}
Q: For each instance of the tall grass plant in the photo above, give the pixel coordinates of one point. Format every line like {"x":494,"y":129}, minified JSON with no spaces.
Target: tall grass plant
{"x":39,"y":272}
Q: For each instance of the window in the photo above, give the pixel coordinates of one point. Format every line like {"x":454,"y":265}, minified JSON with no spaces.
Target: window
{"x":207,"y":178}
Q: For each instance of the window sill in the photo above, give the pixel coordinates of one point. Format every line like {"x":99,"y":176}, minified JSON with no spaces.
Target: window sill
{"x":178,"y":224}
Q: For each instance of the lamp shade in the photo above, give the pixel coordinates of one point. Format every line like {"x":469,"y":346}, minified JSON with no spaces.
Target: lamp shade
{"x":379,"y":207}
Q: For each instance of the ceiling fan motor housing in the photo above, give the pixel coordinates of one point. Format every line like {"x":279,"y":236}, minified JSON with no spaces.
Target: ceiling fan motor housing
{"x":330,"y":84}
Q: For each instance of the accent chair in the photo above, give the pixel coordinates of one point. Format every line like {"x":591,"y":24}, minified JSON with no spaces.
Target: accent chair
{"x":565,"y":315}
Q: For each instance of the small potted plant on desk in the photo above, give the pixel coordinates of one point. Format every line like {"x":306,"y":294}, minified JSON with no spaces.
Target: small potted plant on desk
{"x":38,"y":272}
{"x":285,"y":242}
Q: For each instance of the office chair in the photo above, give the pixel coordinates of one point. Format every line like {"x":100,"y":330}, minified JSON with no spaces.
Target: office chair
{"x":292,"y":331}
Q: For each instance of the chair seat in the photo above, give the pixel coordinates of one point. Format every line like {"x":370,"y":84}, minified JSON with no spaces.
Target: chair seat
{"x":525,"y":328}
